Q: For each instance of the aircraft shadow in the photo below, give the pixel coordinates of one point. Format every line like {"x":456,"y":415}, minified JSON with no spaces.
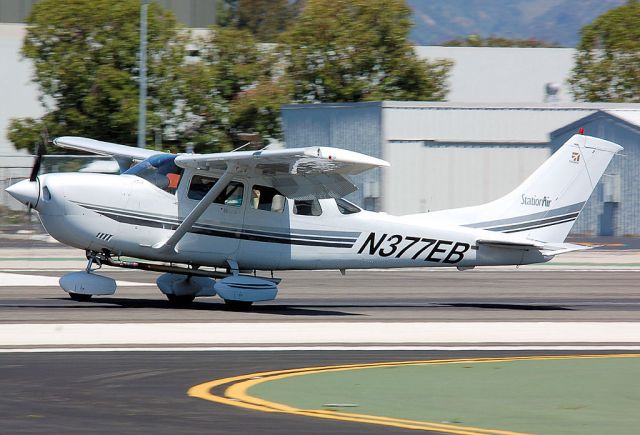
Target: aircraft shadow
{"x":281,"y":310}
{"x":439,"y":305}
{"x":499,"y":306}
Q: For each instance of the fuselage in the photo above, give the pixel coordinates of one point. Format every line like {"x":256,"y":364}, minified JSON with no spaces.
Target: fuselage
{"x":252,"y":225}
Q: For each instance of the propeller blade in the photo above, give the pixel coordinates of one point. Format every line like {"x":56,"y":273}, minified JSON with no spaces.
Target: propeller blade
{"x":42,"y":149}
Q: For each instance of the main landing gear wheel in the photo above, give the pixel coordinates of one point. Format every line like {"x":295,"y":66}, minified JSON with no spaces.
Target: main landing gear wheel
{"x":237,"y":305}
{"x":180,"y":300}
{"x":79,"y":297}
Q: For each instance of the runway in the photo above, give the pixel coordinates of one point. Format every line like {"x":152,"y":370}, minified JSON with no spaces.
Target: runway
{"x":136,"y":384}
{"x":371,"y":296}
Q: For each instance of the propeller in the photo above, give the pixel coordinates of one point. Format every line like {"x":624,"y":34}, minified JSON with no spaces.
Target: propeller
{"x":41,"y":151}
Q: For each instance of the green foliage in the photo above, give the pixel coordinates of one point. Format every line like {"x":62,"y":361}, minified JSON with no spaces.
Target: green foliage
{"x":493,"y":41}
{"x":357,"y":50}
{"x":264,"y":19}
{"x":85,"y":54}
{"x":222,"y":88}
{"x":607,"y":65}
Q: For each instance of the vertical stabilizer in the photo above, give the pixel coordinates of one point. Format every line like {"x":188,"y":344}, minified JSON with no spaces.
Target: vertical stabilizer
{"x":546,"y":205}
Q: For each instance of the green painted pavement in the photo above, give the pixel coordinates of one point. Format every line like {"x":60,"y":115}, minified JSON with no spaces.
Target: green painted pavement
{"x":573,"y":396}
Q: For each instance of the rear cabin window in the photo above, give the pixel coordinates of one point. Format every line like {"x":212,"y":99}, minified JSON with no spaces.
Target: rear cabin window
{"x":345,"y":207}
{"x":307,"y":207}
{"x":230,"y":195}
{"x":267,"y":198}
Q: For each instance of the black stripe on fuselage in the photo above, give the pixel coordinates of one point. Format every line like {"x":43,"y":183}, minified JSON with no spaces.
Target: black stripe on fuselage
{"x":542,"y":225}
{"x":231,"y":233}
{"x":537,"y":223}
{"x":163,"y":221}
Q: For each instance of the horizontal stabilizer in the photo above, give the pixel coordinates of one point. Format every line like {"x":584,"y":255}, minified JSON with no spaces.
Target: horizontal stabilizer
{"x":547,"y":249}
{"x":510,"y":244}
{"x":562,"y":248}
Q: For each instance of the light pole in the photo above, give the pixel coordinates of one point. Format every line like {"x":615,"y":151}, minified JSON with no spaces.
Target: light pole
{"x":142,"y":104}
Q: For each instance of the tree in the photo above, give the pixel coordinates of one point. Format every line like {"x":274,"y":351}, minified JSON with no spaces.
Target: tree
{"x":607,"y":65}
{"x":85,"y":54}
{"x":265,"y":19}
{"x":230,"y":90}
{"x":357,"y":50}
{"x":494,"y":41}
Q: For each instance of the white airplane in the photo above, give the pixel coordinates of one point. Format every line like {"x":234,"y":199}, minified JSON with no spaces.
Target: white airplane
{"x":211,"y":221}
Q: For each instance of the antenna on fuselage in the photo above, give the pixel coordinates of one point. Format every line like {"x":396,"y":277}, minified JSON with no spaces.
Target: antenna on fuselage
{"x":240,"y":147}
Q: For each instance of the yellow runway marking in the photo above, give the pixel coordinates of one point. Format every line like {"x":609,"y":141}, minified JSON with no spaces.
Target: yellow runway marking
{"x":236,"y":392}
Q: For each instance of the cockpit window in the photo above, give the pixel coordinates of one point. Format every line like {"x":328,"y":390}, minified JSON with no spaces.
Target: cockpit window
{"x":307,"y":207}
{"x":159,"y":170}
{"x":230,"y":195}
{"x":345,"y":207}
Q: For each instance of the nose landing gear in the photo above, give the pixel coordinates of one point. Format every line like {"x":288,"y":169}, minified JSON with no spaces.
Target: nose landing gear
{"x":82,"y":285}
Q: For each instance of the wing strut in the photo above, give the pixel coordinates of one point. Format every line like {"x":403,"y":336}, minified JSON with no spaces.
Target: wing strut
{"x":198,"y":210}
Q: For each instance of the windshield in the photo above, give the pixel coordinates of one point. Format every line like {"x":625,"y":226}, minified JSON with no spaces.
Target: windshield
{"x":159,"y":170}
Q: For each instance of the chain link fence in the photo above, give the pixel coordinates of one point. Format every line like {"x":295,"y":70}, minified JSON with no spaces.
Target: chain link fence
{"x":14,"y":216}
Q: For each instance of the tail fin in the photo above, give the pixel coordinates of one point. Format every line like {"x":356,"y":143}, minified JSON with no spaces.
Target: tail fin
{"x":545,"y":206}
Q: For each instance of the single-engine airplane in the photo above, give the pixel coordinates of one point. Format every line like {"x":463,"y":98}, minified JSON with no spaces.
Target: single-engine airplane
{"x":210,"y":222}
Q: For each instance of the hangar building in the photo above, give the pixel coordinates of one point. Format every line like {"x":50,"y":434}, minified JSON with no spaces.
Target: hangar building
{"x":446,"y":155}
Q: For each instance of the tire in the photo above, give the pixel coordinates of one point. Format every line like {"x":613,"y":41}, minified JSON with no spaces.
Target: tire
{"x":79,"y":297}
{"x":180,"y":300}
{"x":237,"y":305}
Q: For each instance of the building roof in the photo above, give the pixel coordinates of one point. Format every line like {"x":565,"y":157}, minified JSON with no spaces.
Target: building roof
{"x":477,"y":123}
{"x":490,"y":123}
{"x":632,"y":116}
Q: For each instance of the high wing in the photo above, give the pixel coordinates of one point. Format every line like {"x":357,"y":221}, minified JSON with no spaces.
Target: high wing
{"x":299,"y":173}
{"x":123,"y":154}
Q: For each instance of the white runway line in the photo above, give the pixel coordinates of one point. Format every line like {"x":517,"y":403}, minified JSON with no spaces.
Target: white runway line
{"x":22,"y":280}
{"x":619,"y":348}
{"x":320,"y":333}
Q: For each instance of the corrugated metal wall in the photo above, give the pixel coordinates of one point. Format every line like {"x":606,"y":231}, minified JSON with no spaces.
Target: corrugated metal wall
{"x":498,"y":148}
{"x":355,"y":127}
{"x":597,"y":214}
{"x":192,"y":13}
{"x":428,"y":176}
{"x":453,"y":123}
{"x":15,"y":11}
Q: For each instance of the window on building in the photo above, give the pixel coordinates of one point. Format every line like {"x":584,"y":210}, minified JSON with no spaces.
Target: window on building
{"x":307,"y":207}
{"x":267,"y":198}
{"x":346,"y":207}
{"x":230,"y":195}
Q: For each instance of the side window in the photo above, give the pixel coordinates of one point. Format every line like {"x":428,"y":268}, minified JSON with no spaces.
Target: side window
{"x":199,"y":186}
{"x":307,"y":207}
{"x":267,"y":198}
{"x":345,"y":207}
{"x":230,"y":195}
